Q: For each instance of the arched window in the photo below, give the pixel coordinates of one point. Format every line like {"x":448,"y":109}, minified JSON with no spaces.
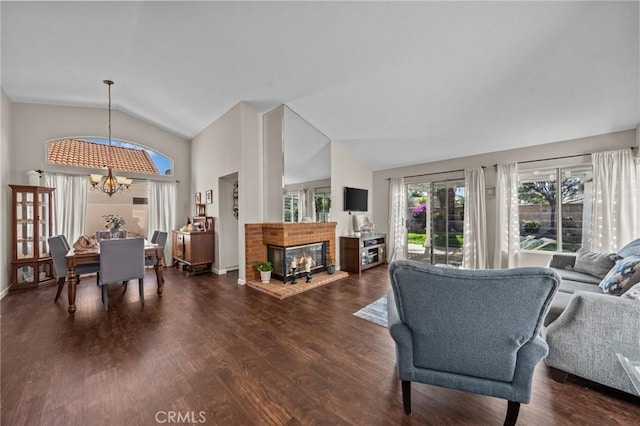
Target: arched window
{"x":96,"y":153}
{"x":124,"y":157}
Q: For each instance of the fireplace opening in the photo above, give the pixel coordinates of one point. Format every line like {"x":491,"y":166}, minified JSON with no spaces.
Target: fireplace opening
{"x":284,"y":259}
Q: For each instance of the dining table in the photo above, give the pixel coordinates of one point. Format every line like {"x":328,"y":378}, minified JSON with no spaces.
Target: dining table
{"x":83,"y":256}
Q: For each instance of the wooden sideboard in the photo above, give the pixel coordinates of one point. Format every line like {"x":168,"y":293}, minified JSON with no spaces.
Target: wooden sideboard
{"x":194,"y":251}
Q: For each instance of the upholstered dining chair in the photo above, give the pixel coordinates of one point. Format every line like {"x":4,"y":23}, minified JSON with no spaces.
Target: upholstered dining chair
{"x":59,"y":247}
{"x":160,"y":238}
{"x":121,"y":260}
{"x":473,"y":330}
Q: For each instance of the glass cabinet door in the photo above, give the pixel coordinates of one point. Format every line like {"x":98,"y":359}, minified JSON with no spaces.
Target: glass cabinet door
{"x":44,"y":200}
{"x":25,"y":225}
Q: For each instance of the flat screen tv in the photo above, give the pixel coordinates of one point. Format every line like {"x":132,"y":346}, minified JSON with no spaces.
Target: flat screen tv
{"x":355,"y":200}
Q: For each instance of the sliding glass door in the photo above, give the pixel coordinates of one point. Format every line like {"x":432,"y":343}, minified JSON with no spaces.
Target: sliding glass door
{"x":435,"y":219}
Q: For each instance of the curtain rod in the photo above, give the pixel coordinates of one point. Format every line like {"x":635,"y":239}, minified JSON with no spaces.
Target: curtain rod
{"x":633,"y":148}
{"x":40,"y":172}
{"x":436,"y":173}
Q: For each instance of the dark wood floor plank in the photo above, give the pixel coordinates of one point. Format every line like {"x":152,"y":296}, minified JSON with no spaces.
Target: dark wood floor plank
{"x":239,"y":356}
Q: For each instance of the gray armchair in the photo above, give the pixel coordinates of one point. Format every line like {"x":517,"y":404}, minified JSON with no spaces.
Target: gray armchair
{"x":59,"y":247}
{"x":121,"y":260}
{"x":471,"y":330}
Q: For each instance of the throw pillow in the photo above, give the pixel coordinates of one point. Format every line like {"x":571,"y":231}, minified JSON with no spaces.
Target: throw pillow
{"x":622,"y":276}
{"x":633,"y":293}
{"x":593,"y":263}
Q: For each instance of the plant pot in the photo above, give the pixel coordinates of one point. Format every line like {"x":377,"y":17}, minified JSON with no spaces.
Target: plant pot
{"x":331,"y":269}
{"x":265,"y":276}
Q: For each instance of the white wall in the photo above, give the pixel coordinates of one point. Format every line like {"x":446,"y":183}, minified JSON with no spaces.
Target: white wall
{"x":347,"y":171}
{"x":215,"y":152}
{"x":573,"y":147}
{"x":6,"y":111}
{"x":231,"y":144}
{"x":251,"y":191}
{"x":273,"y":143}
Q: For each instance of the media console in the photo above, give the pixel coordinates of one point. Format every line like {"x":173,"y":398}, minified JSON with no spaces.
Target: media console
{"x":364,"y":252}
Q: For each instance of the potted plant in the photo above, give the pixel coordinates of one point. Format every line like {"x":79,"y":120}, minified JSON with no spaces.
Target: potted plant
{"x":265,"y":269}
{"x":331,"y":265}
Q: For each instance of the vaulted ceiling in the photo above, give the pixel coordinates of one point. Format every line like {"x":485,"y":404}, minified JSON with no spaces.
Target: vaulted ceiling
{"x":395,"y":83}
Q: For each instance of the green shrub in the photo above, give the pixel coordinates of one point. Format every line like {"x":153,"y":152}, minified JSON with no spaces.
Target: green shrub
{"x":531,"y":226}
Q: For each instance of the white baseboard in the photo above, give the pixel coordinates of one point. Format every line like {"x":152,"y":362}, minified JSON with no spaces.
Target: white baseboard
{"x":220,"y":271}
{"x":4,"y":292}
{"x":241,"y":281}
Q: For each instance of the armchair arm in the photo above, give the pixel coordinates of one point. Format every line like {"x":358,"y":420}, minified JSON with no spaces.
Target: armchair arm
{"x":403,"y":337}
{"x":561,"y":261}
{"x":529,"y":355}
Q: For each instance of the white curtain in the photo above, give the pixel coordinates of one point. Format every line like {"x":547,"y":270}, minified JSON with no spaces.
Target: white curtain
{"x":396,"y":249}
{"x":69,"y":204}
{"x":507,"y":247}
{"x":311,"y":200}
{"x":616,"y":216}
{"x":474,"y":250}
{"x":162,"y":212}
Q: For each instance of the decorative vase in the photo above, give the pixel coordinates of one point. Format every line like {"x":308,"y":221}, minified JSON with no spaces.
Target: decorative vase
{"x":331,"y":269}
{"x":115,"y":232}
{"x":265,"y":276}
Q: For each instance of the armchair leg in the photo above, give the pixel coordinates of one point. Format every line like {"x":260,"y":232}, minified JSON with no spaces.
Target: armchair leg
{"x":513,"y":408}
{"x":406,"y":396}
{"x":60,"y":286}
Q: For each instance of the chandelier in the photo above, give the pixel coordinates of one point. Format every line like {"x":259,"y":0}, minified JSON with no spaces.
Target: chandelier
{"x":109,"y":184}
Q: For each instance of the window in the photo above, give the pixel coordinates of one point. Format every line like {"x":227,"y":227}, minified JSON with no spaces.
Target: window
{"x":435,"y":222}
{"x":291,"y":206}
{"x":322,"y":204}
{"x":553,"y":219}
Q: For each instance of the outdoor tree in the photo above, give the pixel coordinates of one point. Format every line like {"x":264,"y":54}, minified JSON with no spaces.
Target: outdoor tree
{"x":545,"y":193}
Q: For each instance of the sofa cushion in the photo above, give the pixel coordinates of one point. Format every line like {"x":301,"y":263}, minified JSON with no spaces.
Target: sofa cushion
{"x":570,"y":286}
{"x":567,"y":274}
{"x":622,"y":276}
{"x":633,"y":293}
{"x":594,"y":263}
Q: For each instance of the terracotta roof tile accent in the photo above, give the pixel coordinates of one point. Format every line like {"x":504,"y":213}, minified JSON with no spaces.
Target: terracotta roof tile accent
{"x":81,"y":153}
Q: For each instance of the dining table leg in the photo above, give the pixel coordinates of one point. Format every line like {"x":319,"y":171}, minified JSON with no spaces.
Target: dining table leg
{"x":158,"y":268}
{"x":72,"y":282}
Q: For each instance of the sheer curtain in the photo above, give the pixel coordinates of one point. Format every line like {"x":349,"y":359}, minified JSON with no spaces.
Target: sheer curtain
{"x":69,"y":204}
{"x":396,"y":249}
{"x":162,"y":211}
{"x":474,"y":250}
{"x":616,"y":216}
{"x":507,"y":247}
{"x":311,"y":200}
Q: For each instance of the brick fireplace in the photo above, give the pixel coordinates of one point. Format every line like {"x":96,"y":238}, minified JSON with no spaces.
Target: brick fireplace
{"x":260,"y":235}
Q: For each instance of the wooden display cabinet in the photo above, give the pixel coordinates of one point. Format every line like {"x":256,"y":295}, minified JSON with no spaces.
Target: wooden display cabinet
{"x":360,"y":253}
{"x":31,"y":227}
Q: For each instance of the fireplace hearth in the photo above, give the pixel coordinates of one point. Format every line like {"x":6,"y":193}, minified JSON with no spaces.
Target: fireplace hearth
{"x":290,"y":263}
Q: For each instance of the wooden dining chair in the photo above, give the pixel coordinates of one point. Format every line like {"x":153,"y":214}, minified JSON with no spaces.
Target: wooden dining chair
{"x":59,"y":247}
{"x":121,"y":260}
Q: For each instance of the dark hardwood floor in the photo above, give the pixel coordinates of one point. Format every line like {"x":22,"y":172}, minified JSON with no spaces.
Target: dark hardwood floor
{"x":210,"y":351}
